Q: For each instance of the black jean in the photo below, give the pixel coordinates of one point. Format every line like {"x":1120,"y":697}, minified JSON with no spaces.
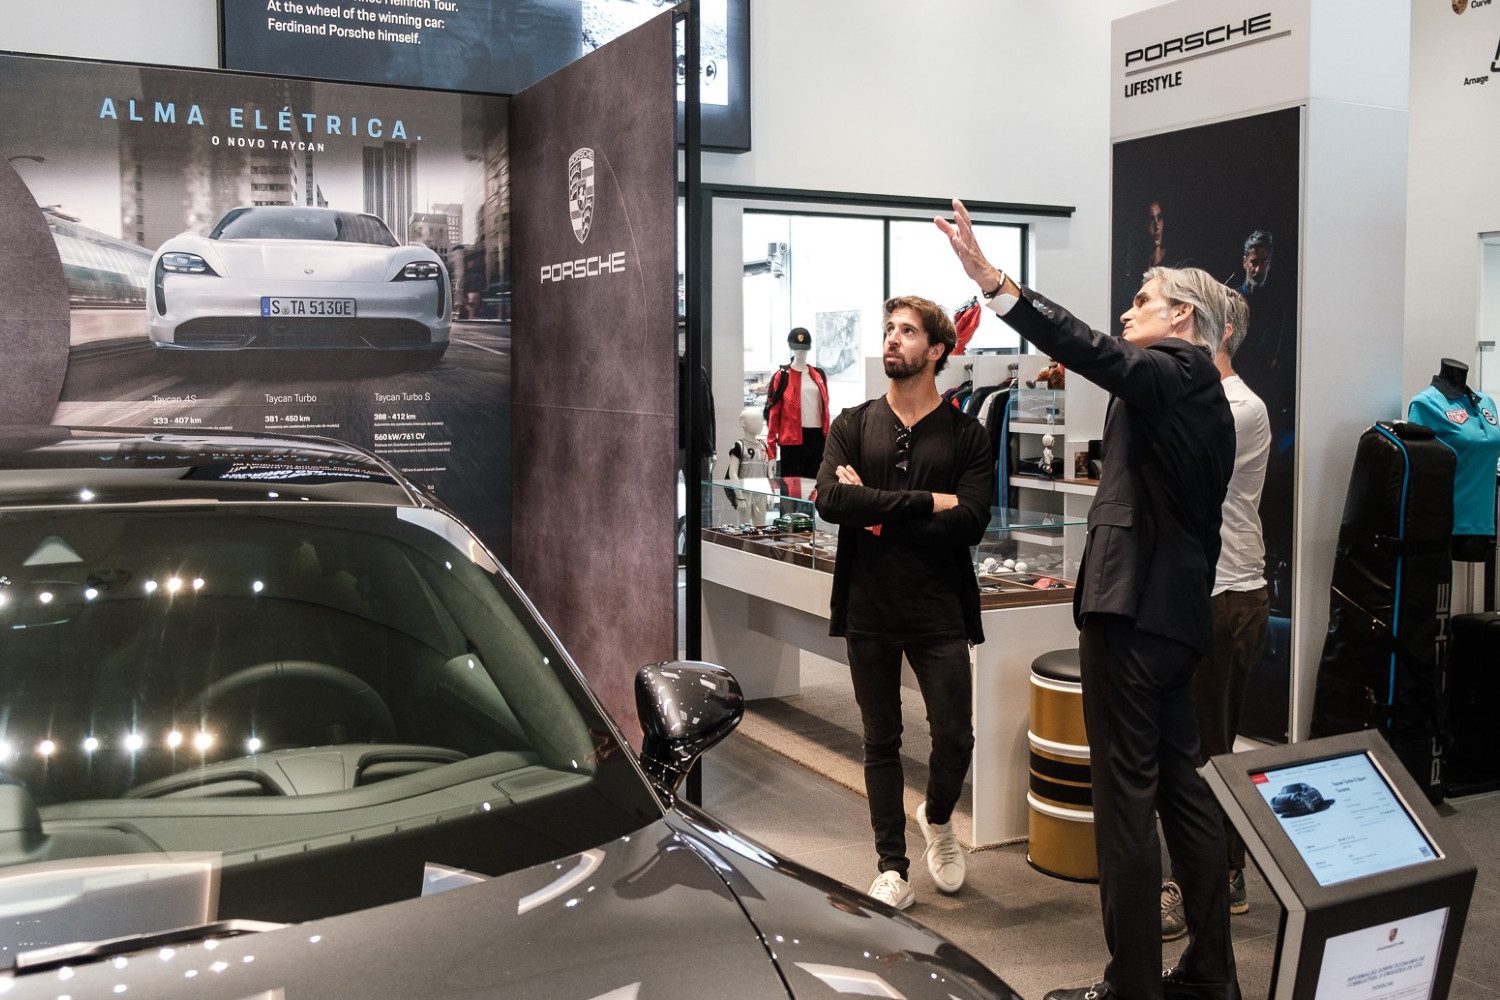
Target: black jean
{"x":1143,"y":747}
{"x":942,"y":669}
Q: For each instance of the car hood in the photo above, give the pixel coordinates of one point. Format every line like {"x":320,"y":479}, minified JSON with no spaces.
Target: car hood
{"x":642,"y":916}
{"x":829,"y":940}
{"x":654,"y":915}
{"x":304,"y":260}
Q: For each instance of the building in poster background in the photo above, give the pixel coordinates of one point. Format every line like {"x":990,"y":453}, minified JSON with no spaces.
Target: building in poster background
{"x":232,"y":207}
{"x":100,"y":269}
{"x":389,"y":172}
{"x":454,"y":213}
{"x":174,"y":177}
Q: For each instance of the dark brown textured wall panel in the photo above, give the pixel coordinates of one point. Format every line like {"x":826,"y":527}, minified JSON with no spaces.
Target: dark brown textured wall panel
{"x":595,"y":360}
{"x":33,"y":307}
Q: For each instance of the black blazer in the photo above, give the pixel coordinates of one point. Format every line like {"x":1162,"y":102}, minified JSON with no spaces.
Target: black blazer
{"x":1153,"y":531}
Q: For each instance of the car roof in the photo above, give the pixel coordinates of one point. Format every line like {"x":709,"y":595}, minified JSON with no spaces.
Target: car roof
{"x":62,"y":466}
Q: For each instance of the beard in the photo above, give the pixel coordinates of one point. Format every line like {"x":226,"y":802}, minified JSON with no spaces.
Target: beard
{"x":899,"y":368}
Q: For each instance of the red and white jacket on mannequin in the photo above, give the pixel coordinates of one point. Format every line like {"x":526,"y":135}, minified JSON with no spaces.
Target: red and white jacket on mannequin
{"x":784,"y":412}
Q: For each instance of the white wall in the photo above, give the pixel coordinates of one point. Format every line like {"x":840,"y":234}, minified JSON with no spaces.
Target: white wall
{"x":995,"y":100}
{"x":1451,"y":192}
{"x":168,"y":32}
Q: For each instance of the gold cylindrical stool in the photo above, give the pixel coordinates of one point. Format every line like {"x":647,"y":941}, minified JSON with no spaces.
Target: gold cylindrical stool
{"x":1060,"y":803}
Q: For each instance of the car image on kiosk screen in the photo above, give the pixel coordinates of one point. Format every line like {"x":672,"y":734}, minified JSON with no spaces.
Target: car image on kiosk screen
{"x":1344,"y":818}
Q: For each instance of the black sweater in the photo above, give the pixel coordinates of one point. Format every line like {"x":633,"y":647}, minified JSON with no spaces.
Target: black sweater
{"x":902,"y":505}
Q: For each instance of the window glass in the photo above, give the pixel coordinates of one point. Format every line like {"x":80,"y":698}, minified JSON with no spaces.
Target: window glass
{"x":922,"y":263}
{"x":828,"y":273}
{"x":824,"y":273}
{"x":291,"y":691}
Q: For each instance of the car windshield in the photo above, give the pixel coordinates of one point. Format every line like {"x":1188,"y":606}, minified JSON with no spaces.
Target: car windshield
{"x":305,"y":709}
{"x":281,"y":223}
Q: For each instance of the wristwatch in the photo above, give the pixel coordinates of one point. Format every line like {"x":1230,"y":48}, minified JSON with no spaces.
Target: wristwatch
{"x":999,"y":286}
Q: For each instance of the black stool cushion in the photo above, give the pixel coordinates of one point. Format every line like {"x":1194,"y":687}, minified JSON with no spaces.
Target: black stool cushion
{"x":1059,"y":665}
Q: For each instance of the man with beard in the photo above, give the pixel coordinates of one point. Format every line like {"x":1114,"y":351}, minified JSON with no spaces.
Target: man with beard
{"x":1142,"y":606}
{"x":909,"y":481}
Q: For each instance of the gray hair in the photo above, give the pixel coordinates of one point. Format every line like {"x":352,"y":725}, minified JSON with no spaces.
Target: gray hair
{"x":1236,"y":320}
{"x":1197,"y":288}
{"x":1260,"y":238}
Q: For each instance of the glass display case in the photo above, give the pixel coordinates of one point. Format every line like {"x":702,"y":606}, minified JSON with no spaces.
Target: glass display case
{"x":1038,"y":406}
{"x":1025,"y":557}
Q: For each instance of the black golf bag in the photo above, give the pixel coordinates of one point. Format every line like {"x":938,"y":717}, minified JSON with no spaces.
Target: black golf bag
{"x":1392,"y":584}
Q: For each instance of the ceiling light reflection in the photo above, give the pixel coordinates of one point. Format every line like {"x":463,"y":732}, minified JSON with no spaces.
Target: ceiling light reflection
{"x":856,"y":981}
{"x":150,"y":586}
{"x":174,"y":584}
{"x":45,"y":597}
{"x":46,"y":748}
{"x":174,"y":739}
{"x":134,"y":742}
{"x":90,"y":745}
{"x":203,"y":741}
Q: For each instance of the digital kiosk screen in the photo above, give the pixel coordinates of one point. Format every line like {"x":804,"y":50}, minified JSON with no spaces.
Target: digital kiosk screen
{"x":1343,"y":818}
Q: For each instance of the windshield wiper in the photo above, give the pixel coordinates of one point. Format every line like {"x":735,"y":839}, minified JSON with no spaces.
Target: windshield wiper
{"x":84,"y":952}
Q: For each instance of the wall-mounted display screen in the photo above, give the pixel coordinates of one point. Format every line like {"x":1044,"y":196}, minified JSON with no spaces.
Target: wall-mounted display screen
{"x":1344,"y":818}
{"x":488,"y":46}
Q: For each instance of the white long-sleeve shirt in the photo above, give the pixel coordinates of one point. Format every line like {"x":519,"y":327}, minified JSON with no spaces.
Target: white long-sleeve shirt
{"x":1242,"y":552}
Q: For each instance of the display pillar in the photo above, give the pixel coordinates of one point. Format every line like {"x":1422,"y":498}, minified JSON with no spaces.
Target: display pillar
{"x":595,"y":358}
{"x":1185,"y":76}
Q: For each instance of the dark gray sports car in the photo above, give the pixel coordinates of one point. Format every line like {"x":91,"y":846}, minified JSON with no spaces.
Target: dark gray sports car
{"x":273,"y":724}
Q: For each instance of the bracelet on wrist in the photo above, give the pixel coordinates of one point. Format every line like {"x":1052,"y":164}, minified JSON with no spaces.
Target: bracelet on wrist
{"x":999,"y":287}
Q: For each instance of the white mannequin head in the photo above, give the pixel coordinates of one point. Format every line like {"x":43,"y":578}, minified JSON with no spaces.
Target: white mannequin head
{"x":752,"y":421}
{"x":799,"y":360}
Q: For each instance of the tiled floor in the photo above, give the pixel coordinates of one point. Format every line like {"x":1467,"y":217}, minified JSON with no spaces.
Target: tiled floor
{"x":1037,"y":932}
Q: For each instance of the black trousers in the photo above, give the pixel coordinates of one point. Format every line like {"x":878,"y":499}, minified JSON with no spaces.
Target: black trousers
{"x":942,"y":669}
{"x":1143,"y":745}
{"x":806,"y":458}
{"x":1240,"y":619}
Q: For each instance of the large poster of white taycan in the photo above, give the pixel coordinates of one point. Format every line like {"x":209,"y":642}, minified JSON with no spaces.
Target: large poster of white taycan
{"x":253,"y":253}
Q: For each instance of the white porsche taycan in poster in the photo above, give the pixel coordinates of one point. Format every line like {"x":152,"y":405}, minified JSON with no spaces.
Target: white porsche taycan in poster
{"x":298,"y":278}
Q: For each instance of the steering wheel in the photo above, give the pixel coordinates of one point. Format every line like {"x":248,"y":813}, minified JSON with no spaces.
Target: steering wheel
{"x":366,"y":703}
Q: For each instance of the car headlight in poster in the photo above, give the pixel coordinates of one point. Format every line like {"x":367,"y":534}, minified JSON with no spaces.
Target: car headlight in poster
{"x":267,"y":254}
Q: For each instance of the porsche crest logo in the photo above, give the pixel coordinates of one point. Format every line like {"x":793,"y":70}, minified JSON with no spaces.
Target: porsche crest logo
{"x":581,"y":192}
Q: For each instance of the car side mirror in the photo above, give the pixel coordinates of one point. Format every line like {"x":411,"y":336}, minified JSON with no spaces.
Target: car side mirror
{"x":685,"y":708}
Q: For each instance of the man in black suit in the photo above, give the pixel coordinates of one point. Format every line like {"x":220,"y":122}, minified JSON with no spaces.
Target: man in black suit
{"x":1142,"y":605}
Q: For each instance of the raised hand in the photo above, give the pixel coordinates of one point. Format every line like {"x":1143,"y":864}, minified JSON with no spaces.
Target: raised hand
{"x":960,"y":233}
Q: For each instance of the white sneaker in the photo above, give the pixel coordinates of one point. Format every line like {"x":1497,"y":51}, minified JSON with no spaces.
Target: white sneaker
{"x":893,"y":890}
{"x":945,"y":859}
